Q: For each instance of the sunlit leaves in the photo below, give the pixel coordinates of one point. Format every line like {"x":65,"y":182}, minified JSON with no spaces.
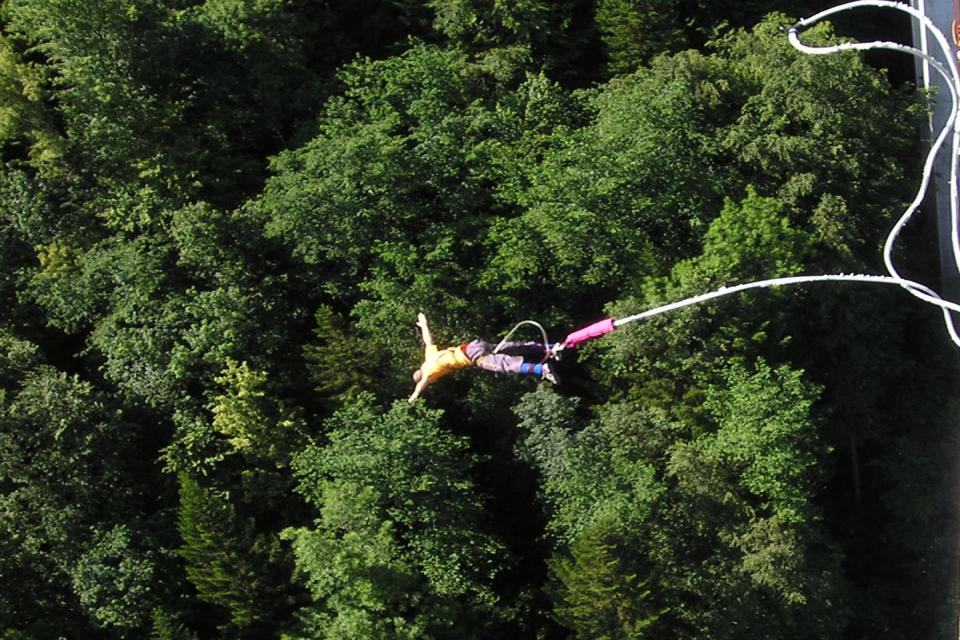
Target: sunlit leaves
{"x":398,"y":549}
{"x":254,"y":424}
{"x":114,"y":579}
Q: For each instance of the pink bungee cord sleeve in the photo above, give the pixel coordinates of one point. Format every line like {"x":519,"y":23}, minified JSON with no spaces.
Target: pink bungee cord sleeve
{"x":592,"y":331}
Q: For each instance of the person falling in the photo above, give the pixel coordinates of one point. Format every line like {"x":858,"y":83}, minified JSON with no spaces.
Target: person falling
{"x":509,"y":359}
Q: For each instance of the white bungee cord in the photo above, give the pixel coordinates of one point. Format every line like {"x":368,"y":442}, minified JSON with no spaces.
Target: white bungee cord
{"x":952,"y":79}
{"x":893,"y":277}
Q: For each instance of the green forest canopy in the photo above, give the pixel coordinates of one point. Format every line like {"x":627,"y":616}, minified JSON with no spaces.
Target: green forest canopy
{"x":220,"y":218}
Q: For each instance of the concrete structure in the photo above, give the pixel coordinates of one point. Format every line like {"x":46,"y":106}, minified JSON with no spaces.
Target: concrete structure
{"x":945,"y":14}
{"x":942,"y":13}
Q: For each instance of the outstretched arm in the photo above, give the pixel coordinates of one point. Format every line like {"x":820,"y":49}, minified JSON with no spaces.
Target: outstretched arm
{"x":428,"y":343}
{"x":424,"y":329}
{"x":418,"y":390}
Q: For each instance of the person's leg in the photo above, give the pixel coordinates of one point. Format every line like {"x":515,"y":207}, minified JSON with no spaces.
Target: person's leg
{"x":481,"y":354}
{"x":476,"y":349}
{"x":500,"y":363}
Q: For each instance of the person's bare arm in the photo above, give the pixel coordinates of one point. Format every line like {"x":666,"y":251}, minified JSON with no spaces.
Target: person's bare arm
{"x":424,"y":329}
{"x":428,"y":342}
{"x":419,"y":388}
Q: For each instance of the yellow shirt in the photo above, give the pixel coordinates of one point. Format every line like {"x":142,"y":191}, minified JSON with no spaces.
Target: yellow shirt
{"x":437,"y":364}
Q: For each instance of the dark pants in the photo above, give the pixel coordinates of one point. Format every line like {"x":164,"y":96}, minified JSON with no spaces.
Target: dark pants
{"x":508,"y":359}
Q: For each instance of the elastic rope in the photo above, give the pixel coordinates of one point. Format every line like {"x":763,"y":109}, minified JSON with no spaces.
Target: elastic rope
{"x":785,"y":281}
{"x":916,"y":289}
{"x":520,"y":324}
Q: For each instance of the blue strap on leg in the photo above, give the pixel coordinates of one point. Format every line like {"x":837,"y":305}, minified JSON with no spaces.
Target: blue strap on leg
{"x":529,"y":367}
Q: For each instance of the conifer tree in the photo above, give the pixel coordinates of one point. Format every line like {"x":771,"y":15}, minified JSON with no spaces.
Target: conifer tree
{"x":229,"y":563}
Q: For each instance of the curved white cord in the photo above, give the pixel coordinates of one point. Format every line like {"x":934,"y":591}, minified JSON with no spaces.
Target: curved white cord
{"x":949,"y":72}
{"x":952,"y":79}
{"x":788,"y":280}
{"x":523,"y":322}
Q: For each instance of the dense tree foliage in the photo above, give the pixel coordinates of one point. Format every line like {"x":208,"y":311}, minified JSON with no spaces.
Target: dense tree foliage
{"x":399,"y":548}
{"x":219,"y":219}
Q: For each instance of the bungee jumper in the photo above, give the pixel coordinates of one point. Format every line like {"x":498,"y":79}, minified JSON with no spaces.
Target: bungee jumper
{"x":506,"y":357}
